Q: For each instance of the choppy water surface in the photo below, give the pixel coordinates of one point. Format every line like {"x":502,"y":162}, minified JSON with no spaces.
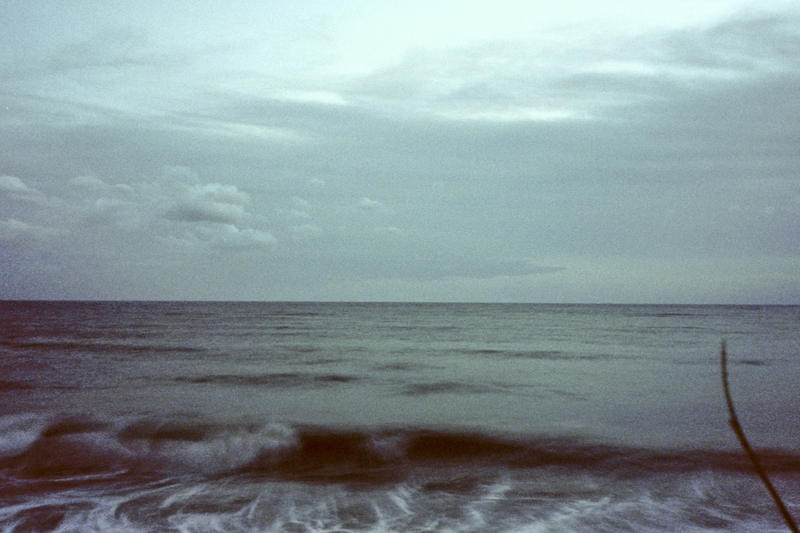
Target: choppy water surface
{"x":392,"y":417}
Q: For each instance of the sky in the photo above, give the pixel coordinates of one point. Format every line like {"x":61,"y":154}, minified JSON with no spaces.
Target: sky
{"x":624,"y":151}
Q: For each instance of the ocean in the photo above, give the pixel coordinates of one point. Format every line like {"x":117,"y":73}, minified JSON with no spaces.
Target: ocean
{"x":348,"y":417}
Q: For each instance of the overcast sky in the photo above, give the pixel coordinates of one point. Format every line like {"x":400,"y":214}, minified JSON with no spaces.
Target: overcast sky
{"x":571,"y":151}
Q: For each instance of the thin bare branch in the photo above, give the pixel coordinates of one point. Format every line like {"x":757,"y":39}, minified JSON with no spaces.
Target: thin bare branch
{"x":737,"y":428}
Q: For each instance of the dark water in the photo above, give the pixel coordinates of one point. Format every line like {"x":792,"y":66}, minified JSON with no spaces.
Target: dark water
{"x":303,"y":417}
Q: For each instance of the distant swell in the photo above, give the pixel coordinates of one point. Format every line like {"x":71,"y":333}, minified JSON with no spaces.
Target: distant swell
{"x":123,"y":346}
{"x":14,"y":385}
{"x":57,"y":447}
{"x":420,"y":389}
{"x":272,"y":380}
{"x":544,"y":355}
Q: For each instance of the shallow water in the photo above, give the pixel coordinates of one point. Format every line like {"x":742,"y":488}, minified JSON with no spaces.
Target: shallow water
{"x":392,"y":417}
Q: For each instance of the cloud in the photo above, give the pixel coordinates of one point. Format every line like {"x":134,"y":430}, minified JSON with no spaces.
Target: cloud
{"x":88,"y":183}
{"x":367,"y":204}
{"x":300,"y":208}
{"x":99,"y":203}
{"x":578,"y":77}
{"x":221,"y":238}
{"x":214,"y":202}
{"x":232,"y":238}
{"x":104,"y":215}
{"x":390,"y":230}
{"x":744,"y":44}
{"x":216,"y":192}
{"x":16,"y":189}
{"x":219,"y":212}
{"x":112,"y":212}
{"x":16,"y":232}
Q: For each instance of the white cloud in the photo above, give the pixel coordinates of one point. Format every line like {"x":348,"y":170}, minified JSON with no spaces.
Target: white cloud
{"x":16,"y":189}
{"x":300,"y":208}
{"x":221,"y":238}
{"x":367,"y":204}
{"x":13,"y":231}
{"x":391,"y":230}
{"x":174,"y":208}
{"x":95,"y":185}
{"x":216,"y":192}
{"x":232,"y":238}
{"x":114,"y":212}
{"x":99,"y":203}
{"x":214,"y":202}
{"x":515,"y":115}
{"x":90,"y":183}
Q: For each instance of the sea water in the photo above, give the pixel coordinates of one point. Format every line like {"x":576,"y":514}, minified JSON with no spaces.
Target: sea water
{"x":344,"y":417}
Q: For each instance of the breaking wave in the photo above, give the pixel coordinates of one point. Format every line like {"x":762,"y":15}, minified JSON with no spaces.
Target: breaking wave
{"x":65,"y":445}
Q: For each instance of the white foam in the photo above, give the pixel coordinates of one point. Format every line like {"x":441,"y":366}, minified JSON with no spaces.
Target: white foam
{"x":101,"y":517}
{"x":389,"y":447}
{"x":224,"y":452}
{"x":400,"y":497}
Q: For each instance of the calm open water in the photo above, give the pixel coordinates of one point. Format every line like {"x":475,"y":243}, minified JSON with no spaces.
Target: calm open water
{"x":335,"y":417}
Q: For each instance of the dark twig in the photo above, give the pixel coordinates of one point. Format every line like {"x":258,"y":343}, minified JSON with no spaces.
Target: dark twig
{"x":737,"y":428}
